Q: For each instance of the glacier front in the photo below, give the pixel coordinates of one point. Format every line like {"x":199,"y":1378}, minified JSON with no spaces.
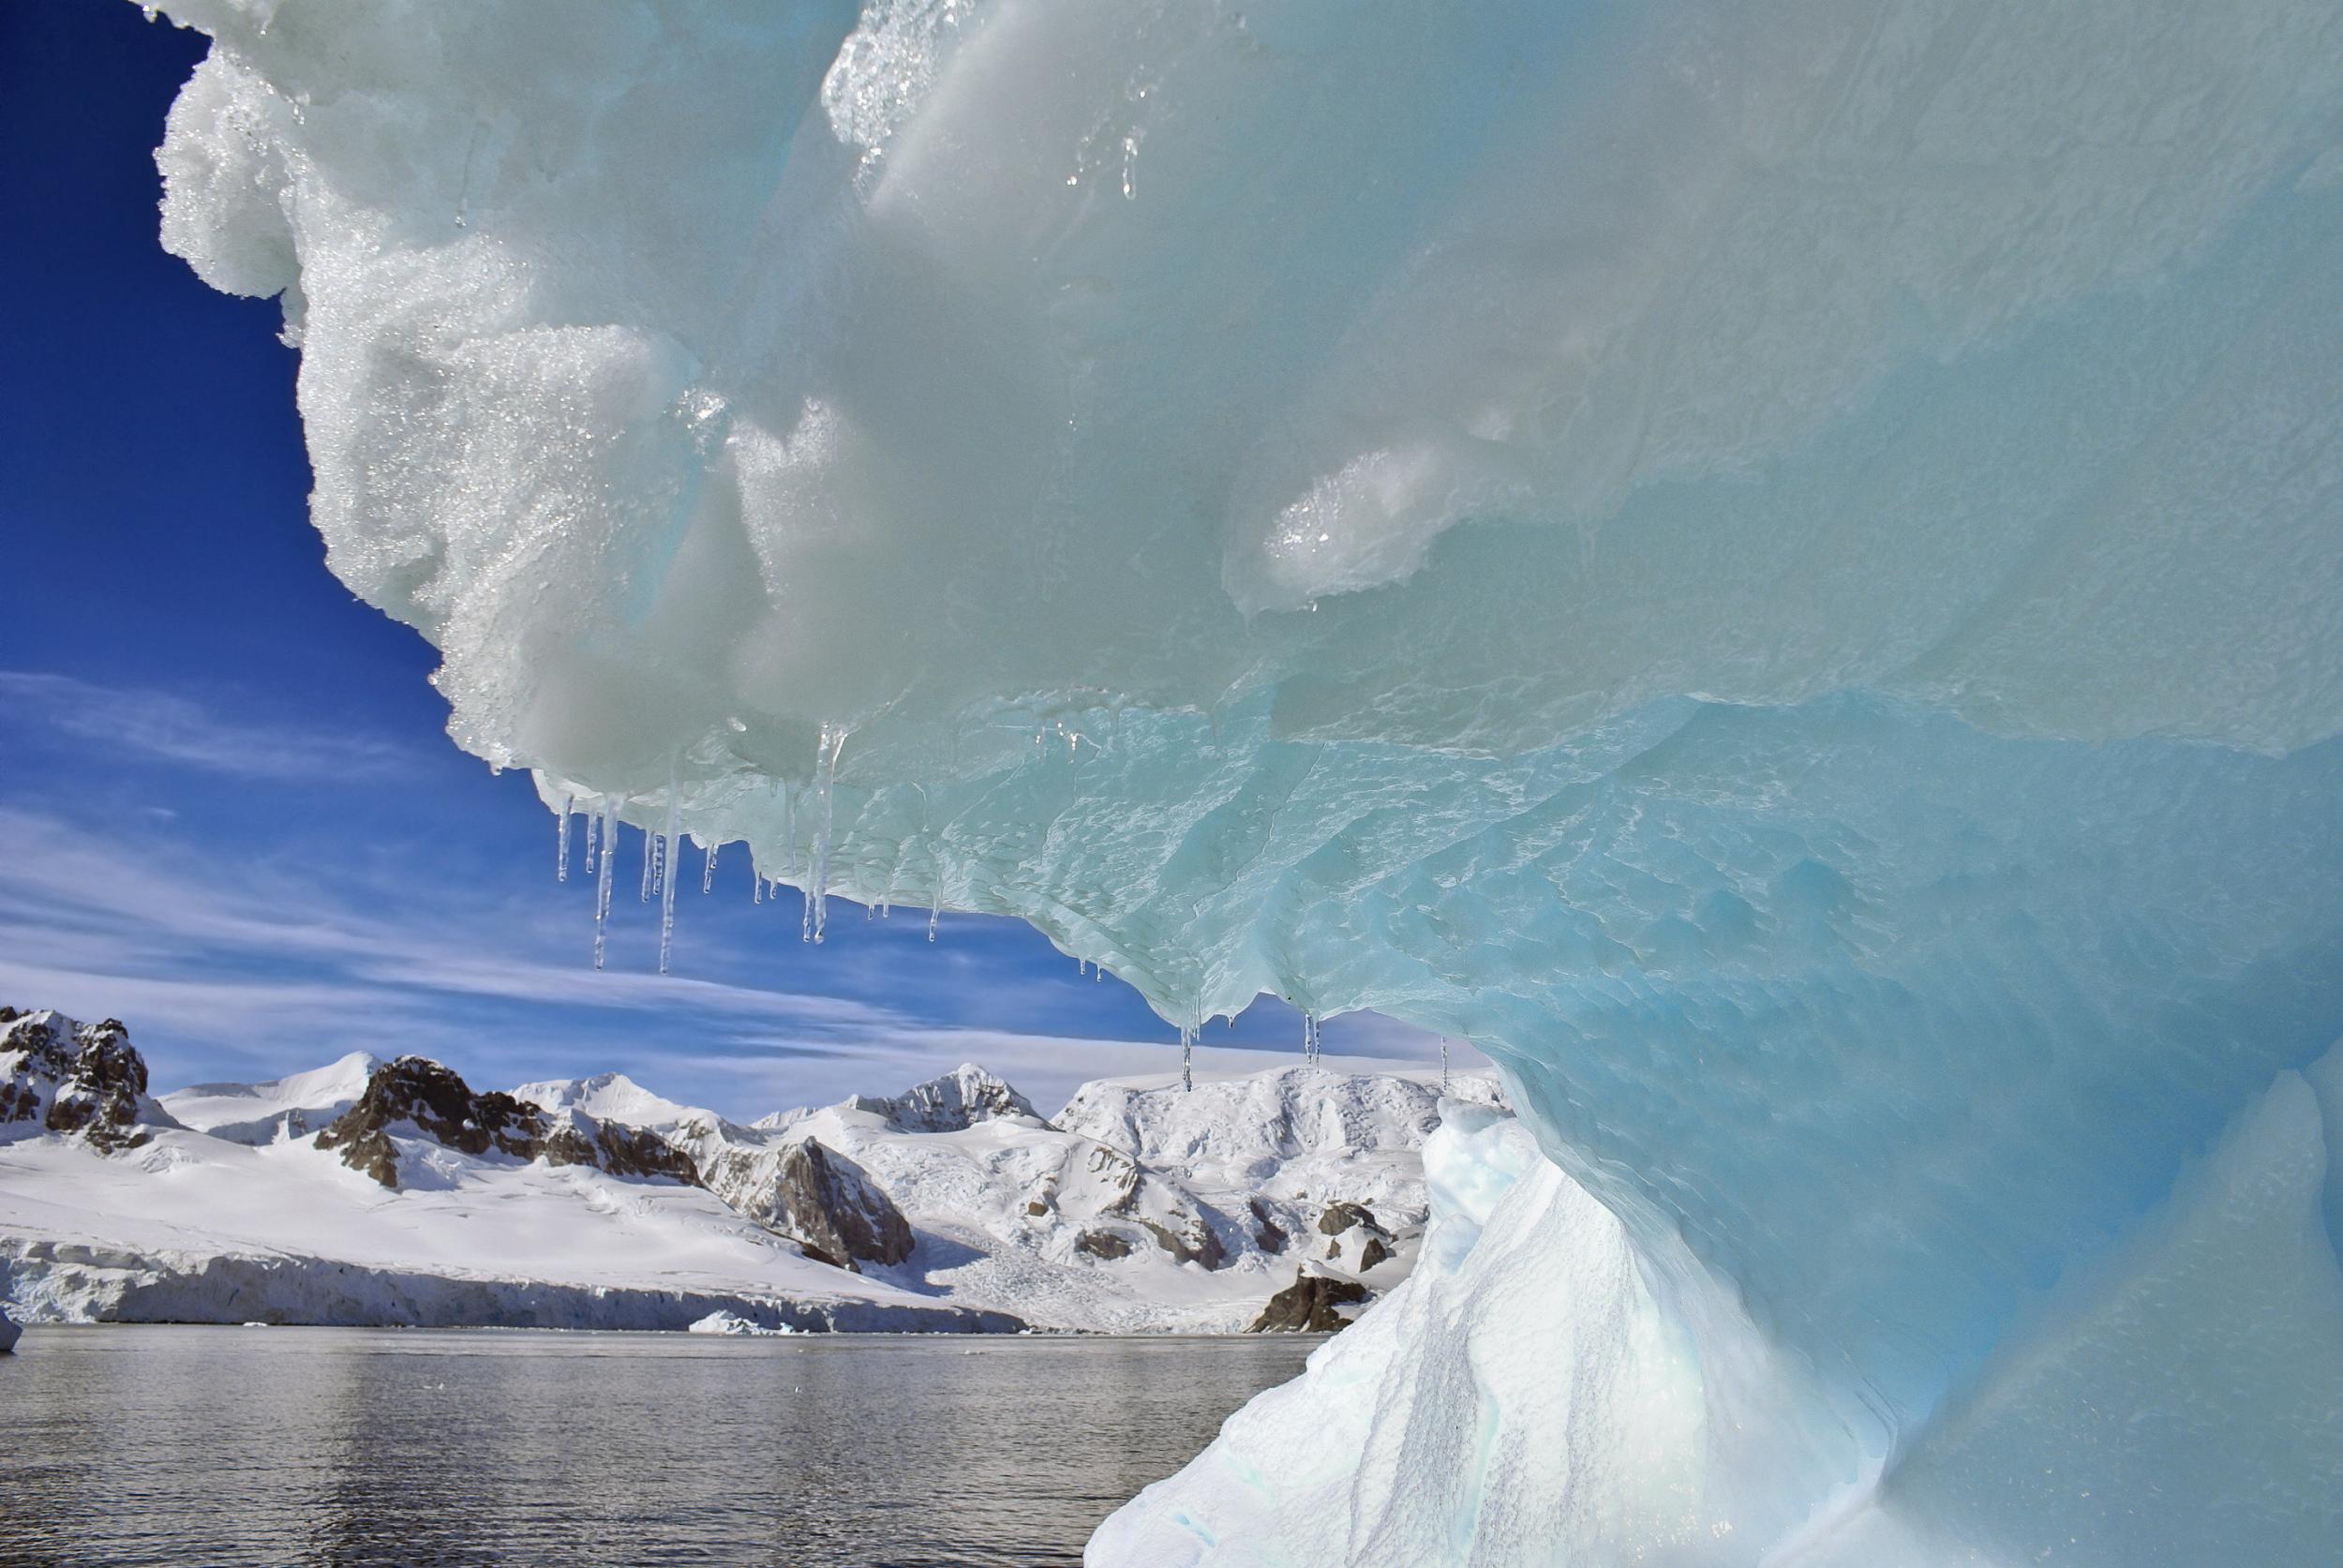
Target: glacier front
{"x":1778,"y":567}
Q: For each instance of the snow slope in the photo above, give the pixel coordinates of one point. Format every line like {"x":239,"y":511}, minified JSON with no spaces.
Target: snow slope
{"x":290,"y":1106}
{"x":196,"y":1228}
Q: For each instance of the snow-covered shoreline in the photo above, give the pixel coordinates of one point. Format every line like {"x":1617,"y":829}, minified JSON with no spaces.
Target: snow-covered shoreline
{"x":55,"y":1281}
{"x":373,"y":1193}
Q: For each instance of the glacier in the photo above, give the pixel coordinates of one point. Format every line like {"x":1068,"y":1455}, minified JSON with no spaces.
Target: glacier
{"x":1778,"y":568}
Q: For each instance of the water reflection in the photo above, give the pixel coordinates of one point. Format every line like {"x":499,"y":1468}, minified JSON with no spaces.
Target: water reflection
{"x":343,"y":1446}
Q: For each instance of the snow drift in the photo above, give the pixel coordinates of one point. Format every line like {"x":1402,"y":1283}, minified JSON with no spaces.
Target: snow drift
{"x":1776,"y":566}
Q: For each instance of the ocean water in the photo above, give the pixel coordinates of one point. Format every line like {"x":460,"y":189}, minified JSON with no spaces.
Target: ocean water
{"x":181,"y":1445}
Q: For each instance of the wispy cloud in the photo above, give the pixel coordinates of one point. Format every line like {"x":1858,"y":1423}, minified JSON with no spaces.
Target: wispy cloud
{"x":262,"y":964}
{"x":169,"y":727}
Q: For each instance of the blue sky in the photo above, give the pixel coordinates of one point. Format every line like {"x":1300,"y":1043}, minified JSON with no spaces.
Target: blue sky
{"x":228,"y":812}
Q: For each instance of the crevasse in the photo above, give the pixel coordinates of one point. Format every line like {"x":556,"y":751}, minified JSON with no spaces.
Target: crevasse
{"x":1779,"y":568}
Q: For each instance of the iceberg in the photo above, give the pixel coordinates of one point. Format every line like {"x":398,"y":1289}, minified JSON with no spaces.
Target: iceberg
{"x":1776,"y":568}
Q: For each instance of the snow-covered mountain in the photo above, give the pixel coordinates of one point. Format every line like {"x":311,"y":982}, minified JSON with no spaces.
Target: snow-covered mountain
{"x":1140,"y":1207}
{"x":60,"y":1076}
{"x":109,"y":1209}
{"x":368,"y":1191}
{"x":290,"y":1107}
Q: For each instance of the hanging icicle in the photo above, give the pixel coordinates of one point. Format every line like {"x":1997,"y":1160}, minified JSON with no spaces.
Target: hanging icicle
{"x":593,"y":837}
{"x":666,"y":881}
{"x":602,"y":886}
{"x":1443,"y":1064}
{"x":789,"y":826}
{"x":708,"y":867}
{"x":931,"y":922}
{"x":1187,"y":1058}
{"x":833,"y":741}
{"x":561,"y":842}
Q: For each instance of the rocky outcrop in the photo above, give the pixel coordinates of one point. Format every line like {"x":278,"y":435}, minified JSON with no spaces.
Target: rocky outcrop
{"x":8,"y":1331}
{"x":1190,"y":1239}
{"x":1103,"y":1244}
{"x":835,"y":1211}
{"x":1359,"y":1240}
{"x":1311,"y":1305}
{"x":1267,"y":1233}
{"x":1166,"y":1213}
{"x":578,"y":1138}
{"x":417,"y":1098}
{"x":78,"y":1078}
{"x":954,"y":1103}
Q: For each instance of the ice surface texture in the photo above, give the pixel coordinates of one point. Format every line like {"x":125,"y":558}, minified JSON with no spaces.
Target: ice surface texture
{"x":1780,"y":567}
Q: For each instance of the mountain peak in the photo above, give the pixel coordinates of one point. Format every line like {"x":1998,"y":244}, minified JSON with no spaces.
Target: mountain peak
{"x":609,"y":1096}
{"x":955,"y":1101}
{"x":62,"y":1075}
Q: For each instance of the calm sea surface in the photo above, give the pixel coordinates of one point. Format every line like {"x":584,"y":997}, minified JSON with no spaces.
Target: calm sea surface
{"x":348,"y":1446}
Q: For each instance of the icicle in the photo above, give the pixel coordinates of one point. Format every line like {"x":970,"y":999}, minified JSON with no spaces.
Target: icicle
{"x":561,"y":842}
{"x":602,"y":887}
{"x":789,"y":826}
{"x":1187,"y":1058}
{"x":666,"y":881}
{"x":931,"y":922}
{"x":708,"y":867}
{"x":649,"y":854}
{"x":833,"y":741}
{"x":1097,"y":974}
{"x":1443,"y":1064}
{"x":757,"y":883}
{"x":593,"y":837}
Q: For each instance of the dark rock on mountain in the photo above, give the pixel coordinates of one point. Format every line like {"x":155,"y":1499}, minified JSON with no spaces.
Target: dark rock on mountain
{"x":837,"y":1212}
{"x":1160,"y":1208}
{"x":8,"y":1331}
{"x":1309,"y":1306}
{"x":415,"y":1096}
{"x":75,"y":1078}
{"x":1103,"y":1244}
{"x":618,"y":1149}
{"x":1267,"y":1233}
{"x":1193,"y":1240}
{"x":1359,"y":1240}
